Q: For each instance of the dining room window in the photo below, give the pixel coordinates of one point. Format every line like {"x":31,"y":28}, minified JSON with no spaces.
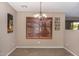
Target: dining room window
{"x":38,"y":28}
{"x":72,"y":25}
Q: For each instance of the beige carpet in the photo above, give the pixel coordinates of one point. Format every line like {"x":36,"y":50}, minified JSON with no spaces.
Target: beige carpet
{"x":40,"y":52}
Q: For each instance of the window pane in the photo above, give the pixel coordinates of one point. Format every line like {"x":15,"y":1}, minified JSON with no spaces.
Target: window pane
{"x":72,"y":25}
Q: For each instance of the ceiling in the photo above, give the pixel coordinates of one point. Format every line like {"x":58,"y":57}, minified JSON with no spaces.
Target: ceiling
{"x":69,"y":8}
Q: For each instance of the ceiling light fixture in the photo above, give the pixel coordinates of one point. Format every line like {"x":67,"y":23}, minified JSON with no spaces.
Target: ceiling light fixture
{"x":23,"y":6}
{"x":40,"y":15}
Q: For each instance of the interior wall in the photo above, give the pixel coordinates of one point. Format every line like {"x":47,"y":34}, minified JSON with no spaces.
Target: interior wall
{"x":58,"y":36}
{"x":72,"y":38}
{"x":7,"y":40}
{"x":72,"y":41}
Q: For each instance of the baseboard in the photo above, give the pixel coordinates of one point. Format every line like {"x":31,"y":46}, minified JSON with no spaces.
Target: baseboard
{"x":37,"y":47}
{"x":70,"y":51}
{"x":10,"y":51}
{"x":40,"y":47}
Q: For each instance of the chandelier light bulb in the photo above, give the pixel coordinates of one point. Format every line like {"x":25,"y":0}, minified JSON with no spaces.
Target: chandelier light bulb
{"x":36,"y":15}
{"x":44,"y":15}
{"x":40,"y":16}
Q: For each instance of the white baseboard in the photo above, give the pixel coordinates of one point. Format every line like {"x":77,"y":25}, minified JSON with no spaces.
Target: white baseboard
{"x":70,"y":51}
{"x":37,"y":47}
{"x":10,"y":51}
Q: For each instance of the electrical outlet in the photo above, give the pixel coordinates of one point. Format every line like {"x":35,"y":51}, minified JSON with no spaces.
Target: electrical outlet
{"x":38,"y":42}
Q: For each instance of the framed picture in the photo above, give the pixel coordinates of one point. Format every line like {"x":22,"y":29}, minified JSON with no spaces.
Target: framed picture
{"x":9,"y":23}
{"x":38,"y":28}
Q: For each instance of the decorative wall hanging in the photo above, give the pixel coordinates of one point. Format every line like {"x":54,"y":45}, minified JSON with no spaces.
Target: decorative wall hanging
{"x":38,"y":28}
{"x":9,"y":23}
{"x":57,"y":23}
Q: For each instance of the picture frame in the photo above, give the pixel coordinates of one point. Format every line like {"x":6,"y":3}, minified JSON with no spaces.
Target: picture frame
{"x":38,"y":28}
{"x":9,"y":23}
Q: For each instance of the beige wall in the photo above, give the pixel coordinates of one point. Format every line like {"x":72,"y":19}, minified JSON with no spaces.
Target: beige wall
{"x":7,"y":40}
{"x":67,"y":38}
{"x":58,"y":36}
{"x":72,"y":41}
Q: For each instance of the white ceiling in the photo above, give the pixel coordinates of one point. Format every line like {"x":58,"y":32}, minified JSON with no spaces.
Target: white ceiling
{"x":70,"y":8}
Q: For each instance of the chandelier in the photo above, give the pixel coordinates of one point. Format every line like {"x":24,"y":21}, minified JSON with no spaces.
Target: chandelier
{"x":40,"y":15}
